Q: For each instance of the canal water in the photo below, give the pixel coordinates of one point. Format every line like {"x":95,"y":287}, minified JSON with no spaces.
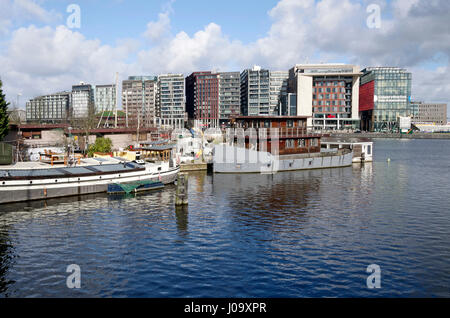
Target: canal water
{"x":294,"y":234}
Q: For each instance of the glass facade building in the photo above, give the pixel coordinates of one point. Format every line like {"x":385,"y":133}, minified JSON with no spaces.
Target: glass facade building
{"x":255,"y":92}
{"x":385,"y":95}
{"x":82,"y":100}
{"x":229,"y":96}
{"x":278,"y":82}
{"x":53,"y":108}
{"x":171,"y":102}
{"x":105,"y":98}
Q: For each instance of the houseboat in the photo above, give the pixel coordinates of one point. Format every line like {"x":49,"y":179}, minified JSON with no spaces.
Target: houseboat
{"x":362,"y":150}
{"x":263,"y":144}
{"x":33,"y":181}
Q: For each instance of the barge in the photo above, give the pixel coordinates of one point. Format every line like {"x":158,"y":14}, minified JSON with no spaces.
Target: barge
{"x":263,"y":144}
{"x":91,"y":176}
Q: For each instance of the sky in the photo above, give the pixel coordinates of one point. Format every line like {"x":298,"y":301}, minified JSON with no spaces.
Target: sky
{"x":43,"y":50}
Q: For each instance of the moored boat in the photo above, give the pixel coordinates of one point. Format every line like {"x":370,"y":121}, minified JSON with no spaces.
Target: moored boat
{"x":264,"y":144}
{"x":362,"y":150}
{"x":92,"y":176}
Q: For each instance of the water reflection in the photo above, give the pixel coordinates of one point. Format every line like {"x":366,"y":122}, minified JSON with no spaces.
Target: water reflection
{"x":181,"y":213}
{"x":292,"y":234}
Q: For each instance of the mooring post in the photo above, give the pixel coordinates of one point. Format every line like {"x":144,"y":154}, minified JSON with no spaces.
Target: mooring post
{"x":182,"y":190}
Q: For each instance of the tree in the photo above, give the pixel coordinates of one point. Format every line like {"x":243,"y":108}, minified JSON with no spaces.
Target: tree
{"x":86,"y":124}
{"x":4,"y":118}
{"x":102,"y":145}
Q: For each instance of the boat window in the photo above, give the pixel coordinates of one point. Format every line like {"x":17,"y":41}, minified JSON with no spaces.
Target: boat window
{"x":369,"y":149}
{"x":301,"y":143}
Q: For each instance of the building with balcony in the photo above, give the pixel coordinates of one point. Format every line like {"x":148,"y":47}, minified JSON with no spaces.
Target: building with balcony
{"x":139,"y":101}
{"x":229,"y":96}
{"x":255,"y":92}
{"x":327,"y":93}
{"x":105,"y":98}
{"x":171,"y":102}
{"x":278,"y":83}
{"x":213,"y":98}
{"x":53,"y":108}
{"x":385,"y":95}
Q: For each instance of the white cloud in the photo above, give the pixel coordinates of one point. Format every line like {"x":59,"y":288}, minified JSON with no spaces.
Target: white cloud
{"x":157,"y":29}
{"x":23,"y":10}
{"x":44,"y":60}
{"x":412,"y":34}
{"x":30,"y":9}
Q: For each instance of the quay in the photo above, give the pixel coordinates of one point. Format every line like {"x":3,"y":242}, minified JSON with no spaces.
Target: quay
{"x":375,"y":135}
{"x":196,"y":166}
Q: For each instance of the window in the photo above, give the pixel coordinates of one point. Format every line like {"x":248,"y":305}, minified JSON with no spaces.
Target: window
{"x":289,"y":143}
{"x":290,"y":123}
{"x":301,"y":143}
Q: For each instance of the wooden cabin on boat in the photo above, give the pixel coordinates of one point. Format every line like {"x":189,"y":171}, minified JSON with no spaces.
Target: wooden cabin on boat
{"x":291,"y":132}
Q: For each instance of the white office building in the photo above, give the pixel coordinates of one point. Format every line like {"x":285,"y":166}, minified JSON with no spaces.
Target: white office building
{"x":327,"y":93}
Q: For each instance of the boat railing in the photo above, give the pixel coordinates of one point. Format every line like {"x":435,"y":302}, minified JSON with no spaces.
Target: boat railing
{"x":291,"y":132}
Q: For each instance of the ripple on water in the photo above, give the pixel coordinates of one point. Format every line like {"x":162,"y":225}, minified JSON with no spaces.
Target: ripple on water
{"x":298,"y":234}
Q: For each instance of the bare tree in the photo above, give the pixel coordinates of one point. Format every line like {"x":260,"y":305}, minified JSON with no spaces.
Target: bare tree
{"x":86,"y":124}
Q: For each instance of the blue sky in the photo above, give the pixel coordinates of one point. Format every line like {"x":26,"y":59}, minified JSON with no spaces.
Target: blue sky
{"x":112,"y":20}
{"x":40,"y":53}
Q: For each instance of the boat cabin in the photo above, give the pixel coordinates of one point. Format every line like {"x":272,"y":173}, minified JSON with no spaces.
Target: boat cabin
{"x":291,"y":131}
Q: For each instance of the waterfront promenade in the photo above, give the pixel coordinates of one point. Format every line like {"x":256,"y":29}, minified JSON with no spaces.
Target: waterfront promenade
{"x":372,"y":135}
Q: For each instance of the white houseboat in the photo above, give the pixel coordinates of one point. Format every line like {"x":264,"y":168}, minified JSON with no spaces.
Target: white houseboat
{"x":362,"y":150}
{"x":33,"y":181}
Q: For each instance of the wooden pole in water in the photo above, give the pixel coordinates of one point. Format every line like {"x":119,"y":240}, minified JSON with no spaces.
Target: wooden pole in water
{"x":182,"y":190}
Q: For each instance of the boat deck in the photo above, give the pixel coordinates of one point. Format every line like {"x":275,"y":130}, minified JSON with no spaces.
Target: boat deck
{"x":42,"y":165}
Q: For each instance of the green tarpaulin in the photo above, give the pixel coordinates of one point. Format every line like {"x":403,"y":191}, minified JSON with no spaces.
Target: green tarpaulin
{"x":128,"y":187}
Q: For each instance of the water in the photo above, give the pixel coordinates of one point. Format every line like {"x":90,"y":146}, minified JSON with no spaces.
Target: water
{"x":296,"y":234}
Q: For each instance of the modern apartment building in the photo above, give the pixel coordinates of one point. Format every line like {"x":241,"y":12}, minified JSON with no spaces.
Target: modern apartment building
{"x":53,"y":108}
{"x":105,"y":98}
{"x":255,"y":92}
{"x":327,"y":93}
{"x":202,"y":98}
{"x":278,"y":83}
{"x":82,"y":100}
{"x":428,"y":113}
{"x":171,"y":102}
{"x":385,"y":95}
{"x":213,"y":98}
{"x":139,"y":100}
{"x":229,"y":96}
